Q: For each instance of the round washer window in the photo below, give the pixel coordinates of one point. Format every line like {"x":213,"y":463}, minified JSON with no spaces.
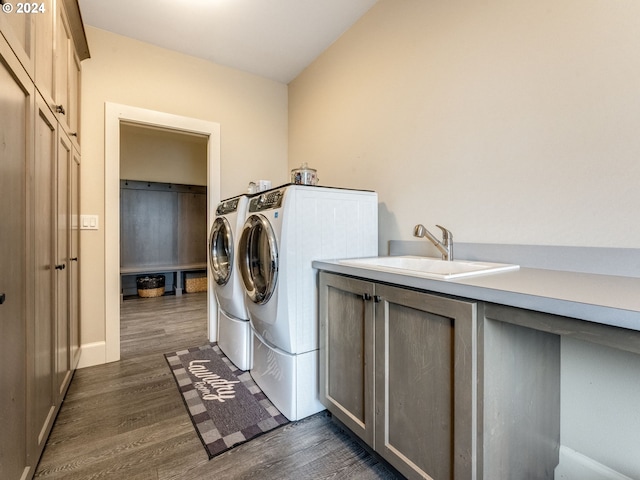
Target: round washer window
{"x":258,"y":259}
{"x":221,"y":250}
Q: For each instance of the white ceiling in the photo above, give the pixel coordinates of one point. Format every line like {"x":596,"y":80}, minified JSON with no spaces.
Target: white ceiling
{"x":276,"y":39}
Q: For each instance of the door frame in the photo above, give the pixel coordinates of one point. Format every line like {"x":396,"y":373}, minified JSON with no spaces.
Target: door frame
{"x":115,"y":114}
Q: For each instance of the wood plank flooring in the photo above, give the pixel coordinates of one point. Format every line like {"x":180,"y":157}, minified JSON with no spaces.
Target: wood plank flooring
{"x":126,"y":420}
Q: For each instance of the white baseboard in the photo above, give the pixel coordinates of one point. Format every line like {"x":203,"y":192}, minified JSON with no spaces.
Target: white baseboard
{"x":93,"y":354}
{"x":575,"y":466}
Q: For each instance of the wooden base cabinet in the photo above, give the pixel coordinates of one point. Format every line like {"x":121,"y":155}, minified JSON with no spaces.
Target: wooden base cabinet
{"x":444,"y":388}
{"x":398,"y":367}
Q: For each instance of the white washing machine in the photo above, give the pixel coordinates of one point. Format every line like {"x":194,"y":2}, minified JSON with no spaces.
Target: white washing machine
{"x":234,"y":332}
{"x":286,"y":229}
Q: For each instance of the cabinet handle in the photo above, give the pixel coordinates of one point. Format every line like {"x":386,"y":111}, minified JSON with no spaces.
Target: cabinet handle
{"x":376,"y":298}
{"x":74,"y":259}
{"x":366,"y":297}
{"x":74,"y":134}
{"x":60,"y":109}
{"x":3,"y":297}
{"x":62,"y":266}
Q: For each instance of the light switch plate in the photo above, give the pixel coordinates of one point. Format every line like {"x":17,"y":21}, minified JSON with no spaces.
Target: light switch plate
{"x":89,"y":222}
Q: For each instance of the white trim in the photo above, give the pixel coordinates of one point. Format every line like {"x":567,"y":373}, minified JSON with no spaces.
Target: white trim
{"x":92,"y":354}
{"x":114,"y":114}
{"x":576,"y":466}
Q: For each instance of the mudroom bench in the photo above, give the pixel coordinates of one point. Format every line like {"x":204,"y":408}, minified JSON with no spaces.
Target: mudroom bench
{"x":178,"y":273}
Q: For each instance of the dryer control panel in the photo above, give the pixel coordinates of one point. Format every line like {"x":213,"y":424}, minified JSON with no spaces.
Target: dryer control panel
{"x":266,"y":201}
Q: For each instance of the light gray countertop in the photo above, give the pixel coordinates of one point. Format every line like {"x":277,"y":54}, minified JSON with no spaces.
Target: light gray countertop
{"x":604,"y":299}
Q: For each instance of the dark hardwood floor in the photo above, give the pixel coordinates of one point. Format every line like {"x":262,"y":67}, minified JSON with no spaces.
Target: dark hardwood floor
{"x":126,"y":420}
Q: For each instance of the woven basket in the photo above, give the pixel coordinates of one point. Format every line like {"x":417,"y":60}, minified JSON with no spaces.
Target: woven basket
{"x":151,"y":292}
{"x":195,"y":284}
{"x":150,"y":286}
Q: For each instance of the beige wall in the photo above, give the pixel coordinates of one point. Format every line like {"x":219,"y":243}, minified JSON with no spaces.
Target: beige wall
{"x":507,"y":122}
{"x":251,"y":111}
{"x":160,"y":155}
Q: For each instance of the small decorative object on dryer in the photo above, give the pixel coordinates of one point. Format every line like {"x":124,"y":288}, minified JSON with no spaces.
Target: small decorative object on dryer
{"x":263,"y":185}
{"x":258,"y":186}
{"x":304,"y":175}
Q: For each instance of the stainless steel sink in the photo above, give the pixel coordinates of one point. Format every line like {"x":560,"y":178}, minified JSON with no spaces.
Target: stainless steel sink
{"x":429,"y":267}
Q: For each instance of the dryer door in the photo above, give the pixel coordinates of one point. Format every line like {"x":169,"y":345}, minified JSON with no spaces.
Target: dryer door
{"x":221,"y":250}
{"x":258,"y":260}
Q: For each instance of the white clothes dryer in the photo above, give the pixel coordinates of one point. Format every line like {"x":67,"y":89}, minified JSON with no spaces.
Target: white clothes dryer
{"x":286,"y":229}
{"x":234,"y":332}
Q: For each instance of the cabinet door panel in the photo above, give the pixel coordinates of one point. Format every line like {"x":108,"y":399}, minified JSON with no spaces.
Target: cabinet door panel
{"x":63,"y":361}
{"x":420,"y":355}
{"x":44,"y":64}
{"x":346,"y":352}
{"x":18,"y":29}
{"x":16,"y":120}
{"x":74,"y":262}
{"x":74,"y":97}
{"x":68,"y":75}
{"x":43,"y":401}
{"x":63,"y":57}
{"x":426,"y":352}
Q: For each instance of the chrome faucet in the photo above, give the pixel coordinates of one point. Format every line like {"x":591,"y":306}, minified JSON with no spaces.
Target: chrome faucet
{"x":445,"y":247}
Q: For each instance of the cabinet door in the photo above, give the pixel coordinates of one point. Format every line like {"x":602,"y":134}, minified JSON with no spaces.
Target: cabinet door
{"x":16,"y":127}
{"x":18,"y":28}
{"x":42,"y":399}
{"x":63,"y":57}
{"x":74,"y":262}
{"x":346,"y":352}
{"x":63,"y":361}
{"x":426,"y":413}
{"x":68,"y":73}
{"x":73,"y":115}
{"x":44,"y":59}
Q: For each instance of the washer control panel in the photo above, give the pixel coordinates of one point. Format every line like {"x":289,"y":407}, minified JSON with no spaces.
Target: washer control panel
{"x":266,"y":201}
{"x":228,"y":206}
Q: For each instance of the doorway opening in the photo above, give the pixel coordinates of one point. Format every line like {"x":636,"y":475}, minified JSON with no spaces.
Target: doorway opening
{"x":163,"y":211}
{"x":119,"y":118}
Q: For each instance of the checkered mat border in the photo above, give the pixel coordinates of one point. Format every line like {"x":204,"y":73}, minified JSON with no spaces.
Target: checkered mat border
{"x":222,"y":426}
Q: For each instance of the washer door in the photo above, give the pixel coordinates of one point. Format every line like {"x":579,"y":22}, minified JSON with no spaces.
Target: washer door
{"x":258,"y":260}
{"x":221,"y":250}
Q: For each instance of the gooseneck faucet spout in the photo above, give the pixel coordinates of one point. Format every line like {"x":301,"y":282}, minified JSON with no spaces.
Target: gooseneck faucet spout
{"x":445,"y":246}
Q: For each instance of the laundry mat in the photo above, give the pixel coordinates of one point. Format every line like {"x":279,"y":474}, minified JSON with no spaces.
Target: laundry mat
{"x":226,"y":407}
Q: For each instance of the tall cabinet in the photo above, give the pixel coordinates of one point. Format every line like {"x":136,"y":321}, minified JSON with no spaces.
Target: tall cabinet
{"x":16,"y":144}
{"x":40,"y":55}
